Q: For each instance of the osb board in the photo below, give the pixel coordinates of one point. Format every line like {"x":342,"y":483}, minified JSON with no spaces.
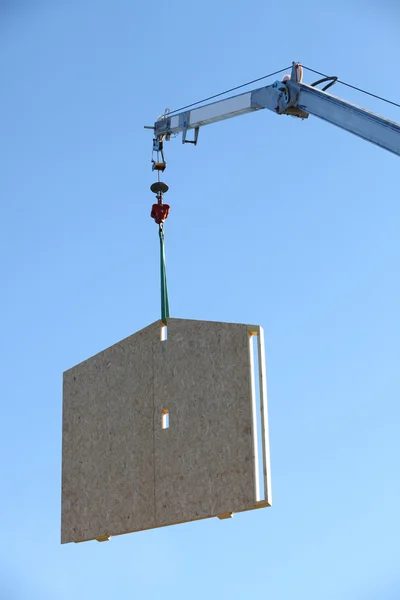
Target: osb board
{"x":122,"y":471}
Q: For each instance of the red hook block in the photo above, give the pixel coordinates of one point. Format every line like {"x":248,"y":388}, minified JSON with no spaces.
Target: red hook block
{"x":159,"y":212}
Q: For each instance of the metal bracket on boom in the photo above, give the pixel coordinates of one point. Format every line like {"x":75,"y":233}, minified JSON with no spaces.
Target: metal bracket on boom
{"x":196,"y":136}
{"x":184,"y":120}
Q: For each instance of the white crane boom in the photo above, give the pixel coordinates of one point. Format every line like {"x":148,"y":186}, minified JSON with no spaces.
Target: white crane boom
{"x":291,"y":97}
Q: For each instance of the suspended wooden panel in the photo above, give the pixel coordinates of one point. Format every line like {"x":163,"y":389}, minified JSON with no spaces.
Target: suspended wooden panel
{"x":158,"y":432}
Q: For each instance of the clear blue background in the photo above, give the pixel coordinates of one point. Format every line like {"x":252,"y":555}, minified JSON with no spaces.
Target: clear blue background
{"x":289,"y":224}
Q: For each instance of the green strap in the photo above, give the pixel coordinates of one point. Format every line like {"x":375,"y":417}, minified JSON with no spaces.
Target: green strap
{"x":164,"y":289}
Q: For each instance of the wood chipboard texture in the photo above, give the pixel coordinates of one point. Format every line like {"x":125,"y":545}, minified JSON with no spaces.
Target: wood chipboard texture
{"x":124,"y":472}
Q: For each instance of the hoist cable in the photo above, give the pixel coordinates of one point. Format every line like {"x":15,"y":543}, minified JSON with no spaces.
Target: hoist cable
{"x":163,"y":275}
{"x":238,"y":87}
{"x":355,"y":88}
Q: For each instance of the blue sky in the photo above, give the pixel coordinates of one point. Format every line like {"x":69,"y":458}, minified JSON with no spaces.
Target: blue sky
{"x":292,"y":225}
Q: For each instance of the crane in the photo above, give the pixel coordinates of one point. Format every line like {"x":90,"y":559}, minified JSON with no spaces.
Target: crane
{"x":287,"y":97}
{"x":290,"y":96}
